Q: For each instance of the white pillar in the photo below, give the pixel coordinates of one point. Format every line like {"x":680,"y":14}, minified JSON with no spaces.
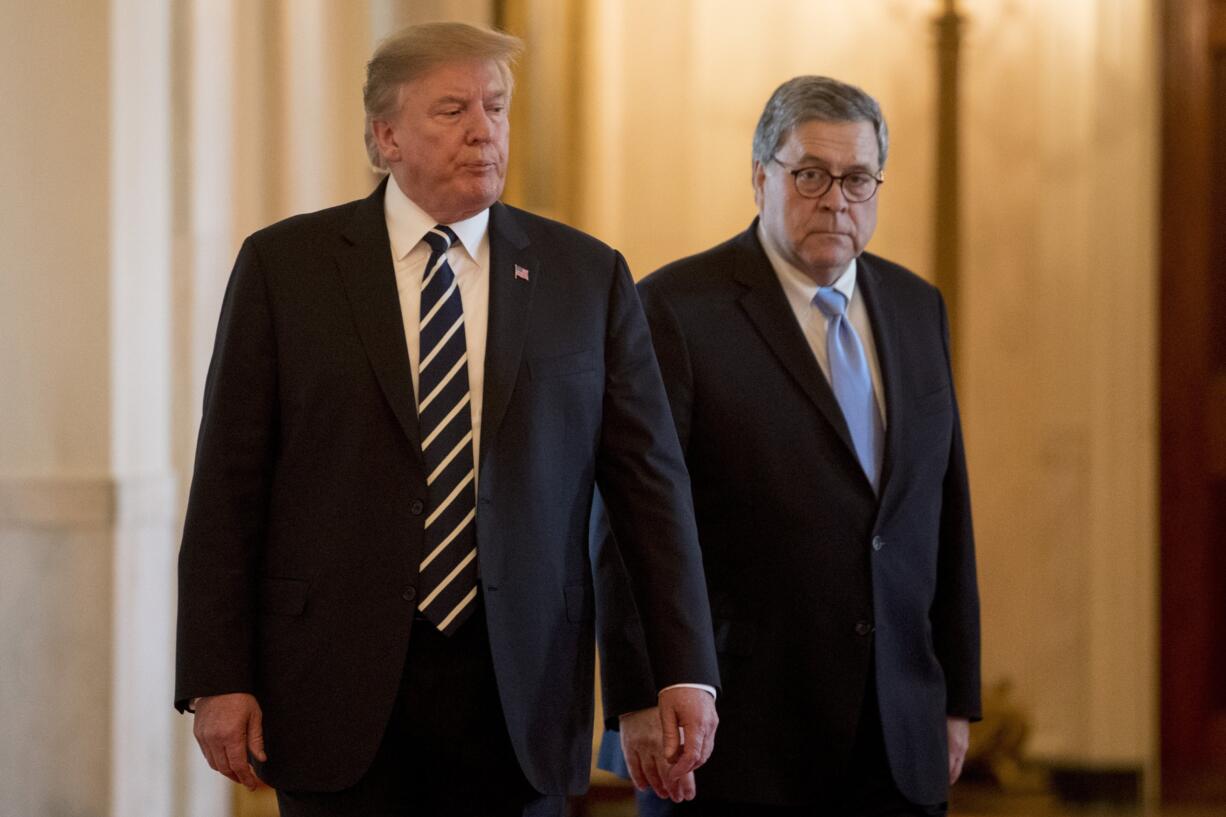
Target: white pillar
{"x":143,"y":729}
{"x":324,"y":47}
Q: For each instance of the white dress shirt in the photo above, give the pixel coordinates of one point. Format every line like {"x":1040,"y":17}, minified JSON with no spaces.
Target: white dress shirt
{"x":800,"y":290}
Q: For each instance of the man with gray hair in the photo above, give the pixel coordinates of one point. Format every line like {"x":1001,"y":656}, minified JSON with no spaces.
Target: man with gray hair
{"x":386,"y":602}
{"x":811,"y":386}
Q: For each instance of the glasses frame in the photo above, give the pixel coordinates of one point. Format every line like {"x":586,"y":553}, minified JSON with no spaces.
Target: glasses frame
{"x":795,"y":173}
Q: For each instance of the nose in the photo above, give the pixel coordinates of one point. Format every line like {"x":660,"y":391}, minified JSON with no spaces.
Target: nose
{"x":833,"y":199}
{"x":480,"y":126}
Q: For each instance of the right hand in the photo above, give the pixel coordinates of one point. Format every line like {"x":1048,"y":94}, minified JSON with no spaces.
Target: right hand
{"x":643,"y":746}
{"x":227,"y":727}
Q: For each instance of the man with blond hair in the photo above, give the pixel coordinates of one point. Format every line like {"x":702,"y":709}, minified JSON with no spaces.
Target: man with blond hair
{"x":386,"y":603}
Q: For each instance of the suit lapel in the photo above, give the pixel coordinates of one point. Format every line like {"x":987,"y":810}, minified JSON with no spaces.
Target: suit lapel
{"x":884,"y":319}
{"x":509,"y":310}
{"x":768,"y":309}
{"x":369,"y":277}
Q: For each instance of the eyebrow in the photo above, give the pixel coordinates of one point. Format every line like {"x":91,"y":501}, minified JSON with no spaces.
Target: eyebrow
{"x":453,"y":99}
{"x":809,"y":160}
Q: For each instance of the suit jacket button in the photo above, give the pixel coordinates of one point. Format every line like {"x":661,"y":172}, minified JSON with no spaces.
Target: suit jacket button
{"x":417,"y":507}
{"x":878,"y":543}
{"x":863,"y":628}
{"x":409,"y":593}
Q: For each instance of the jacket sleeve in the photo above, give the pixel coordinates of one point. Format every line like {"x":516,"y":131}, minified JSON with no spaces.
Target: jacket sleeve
{"x":627,"y":682}
{"x":955,"y":609}
{"x":642,"y":477}
{"x":228,"y":503}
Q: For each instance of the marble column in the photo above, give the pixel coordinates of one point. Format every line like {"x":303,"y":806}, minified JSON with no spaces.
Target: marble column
{"x":147,"y":515}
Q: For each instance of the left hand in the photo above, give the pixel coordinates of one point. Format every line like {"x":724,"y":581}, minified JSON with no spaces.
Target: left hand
{"x":959,"y":731}
{"x":689,"y":720}
{"x":644,"y":752}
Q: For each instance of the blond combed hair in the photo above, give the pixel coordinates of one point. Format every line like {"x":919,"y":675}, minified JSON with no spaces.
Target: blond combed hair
{"x":413,"y":51}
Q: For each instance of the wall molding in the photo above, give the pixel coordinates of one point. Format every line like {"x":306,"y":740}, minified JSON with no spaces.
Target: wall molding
{"x":52,"y":503}
{"x":57,"y":502}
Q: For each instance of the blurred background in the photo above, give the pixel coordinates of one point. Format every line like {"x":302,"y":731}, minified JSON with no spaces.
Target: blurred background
{"x":1058,"y":167}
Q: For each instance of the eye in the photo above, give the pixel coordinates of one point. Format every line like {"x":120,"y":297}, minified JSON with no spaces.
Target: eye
{"x":810,"y":174}
{"x":861,"y":182}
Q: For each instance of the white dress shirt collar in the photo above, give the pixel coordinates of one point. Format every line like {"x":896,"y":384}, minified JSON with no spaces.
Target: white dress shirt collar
{"x":408,"y":223}
{"x":800,"y":288}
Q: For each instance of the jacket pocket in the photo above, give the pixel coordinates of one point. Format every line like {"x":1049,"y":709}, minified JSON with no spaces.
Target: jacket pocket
{"x":573,"y":363}
{"x":283,"y":597}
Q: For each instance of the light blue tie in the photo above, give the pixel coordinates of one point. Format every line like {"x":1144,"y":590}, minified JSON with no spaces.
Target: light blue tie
{"x":852,"y":383}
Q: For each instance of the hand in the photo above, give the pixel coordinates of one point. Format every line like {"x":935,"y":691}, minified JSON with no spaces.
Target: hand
{"x":959,"y":731}
{"x":643,"y":746}
{"x":689,"y":721}
{"x":227,"y":727}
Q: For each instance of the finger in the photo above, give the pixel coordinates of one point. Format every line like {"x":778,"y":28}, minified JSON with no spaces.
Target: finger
{"x":236,"y":756}
{"x":255,"y":736}
{"x":684,"y":789}
{"x":686,"y":763}
{"x":707,"y":745}
{"x":654,"y":771}
{"x":212,"y":755}
{"x":673,"y":790}
{"x":636,"y":769}
{"x":695,"y":741}
{"x":672,"y":741}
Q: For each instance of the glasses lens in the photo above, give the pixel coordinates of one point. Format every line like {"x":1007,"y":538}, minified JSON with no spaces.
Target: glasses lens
{"x":812,"y":181}
{"x":859,"y":187}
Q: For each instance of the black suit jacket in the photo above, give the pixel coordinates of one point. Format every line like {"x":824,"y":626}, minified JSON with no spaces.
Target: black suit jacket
{"x":304,"y":526}
{"x":812,"y":578}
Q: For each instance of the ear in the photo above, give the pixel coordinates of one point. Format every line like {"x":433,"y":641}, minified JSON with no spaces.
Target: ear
{"x":759,"y":183}
{"x":385,"y":138}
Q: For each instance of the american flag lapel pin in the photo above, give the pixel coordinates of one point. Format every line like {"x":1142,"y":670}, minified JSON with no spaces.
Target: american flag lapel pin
{"x":521,"y":274}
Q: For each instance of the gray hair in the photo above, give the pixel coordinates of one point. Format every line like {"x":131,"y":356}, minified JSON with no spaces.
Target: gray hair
{"x":413,"y":51}
{"x":806,"y":98}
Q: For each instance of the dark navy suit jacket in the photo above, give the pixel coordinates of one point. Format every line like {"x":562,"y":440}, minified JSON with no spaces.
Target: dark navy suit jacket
{"x":304,"y":526}
{"x":813,"y":579}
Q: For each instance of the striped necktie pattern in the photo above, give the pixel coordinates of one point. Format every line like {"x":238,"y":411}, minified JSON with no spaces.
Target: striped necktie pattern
{"x":448,"y":571}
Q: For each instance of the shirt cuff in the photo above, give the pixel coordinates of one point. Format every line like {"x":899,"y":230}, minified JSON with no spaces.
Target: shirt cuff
{"x":707,"y":689}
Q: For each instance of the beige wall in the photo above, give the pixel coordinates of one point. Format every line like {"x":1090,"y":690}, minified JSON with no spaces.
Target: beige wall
{"x":1060,"y":313}
{"x":54,"y":241}
{"x":55,"y":408}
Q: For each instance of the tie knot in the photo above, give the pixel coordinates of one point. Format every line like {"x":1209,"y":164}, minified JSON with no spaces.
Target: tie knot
{"x":830,"y":301}
{"x":440,"y":238}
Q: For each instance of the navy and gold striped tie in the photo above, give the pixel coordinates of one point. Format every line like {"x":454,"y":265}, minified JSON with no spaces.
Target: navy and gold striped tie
{"x":448,"y":572}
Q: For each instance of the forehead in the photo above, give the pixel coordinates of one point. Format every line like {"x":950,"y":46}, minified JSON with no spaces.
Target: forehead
{"x":460,"y":79}
{"x":846,"y":144}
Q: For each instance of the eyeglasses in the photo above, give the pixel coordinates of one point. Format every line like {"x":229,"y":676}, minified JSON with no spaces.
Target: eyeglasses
{"x":813,"y":182}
